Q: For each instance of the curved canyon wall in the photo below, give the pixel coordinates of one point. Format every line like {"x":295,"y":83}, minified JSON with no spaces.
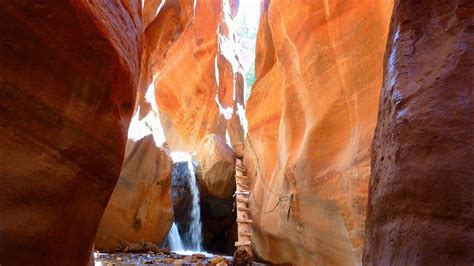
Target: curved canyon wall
{"x":197,"y":77}
{"x":311,"y":118}
{"x":68,"y":76}
{"x":422,"y":187}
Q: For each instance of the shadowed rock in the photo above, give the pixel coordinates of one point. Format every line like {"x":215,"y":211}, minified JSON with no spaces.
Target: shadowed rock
{"x":68,"y":75}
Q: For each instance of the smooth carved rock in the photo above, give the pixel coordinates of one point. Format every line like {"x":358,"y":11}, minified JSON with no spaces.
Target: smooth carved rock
{"x":311,"y":117}
{"x":190,"y":74}
{"x":68,"y":75}
{"x":140,"y":207}
{"x":421,"y":188}
{"x":216,"y":167}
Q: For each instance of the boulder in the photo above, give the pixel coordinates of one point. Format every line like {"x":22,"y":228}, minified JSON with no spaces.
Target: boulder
{"x":140,"y":207}
{"x":68,"y":75}
{"x":216,"y":167}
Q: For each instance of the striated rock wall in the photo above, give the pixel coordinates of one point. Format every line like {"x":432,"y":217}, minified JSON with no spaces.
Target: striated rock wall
{"x":195,"y":72}
{"x":422,"y":187}
{"x":311,"y":118}
{"x":68,"y":73}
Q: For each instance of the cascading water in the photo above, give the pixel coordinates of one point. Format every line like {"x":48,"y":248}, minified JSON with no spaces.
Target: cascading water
{"x":191,"y":235}
{"x":174,"y":240}
{"x":194,"y":232}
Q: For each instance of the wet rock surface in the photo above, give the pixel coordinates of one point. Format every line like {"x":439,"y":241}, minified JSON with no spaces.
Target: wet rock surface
{"x":219,"y":226}
{"x":181,"y":195}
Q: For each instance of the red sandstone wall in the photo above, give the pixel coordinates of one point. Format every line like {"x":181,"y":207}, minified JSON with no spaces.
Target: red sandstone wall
{"x":422,"y":187}
{"x":68,"y":73}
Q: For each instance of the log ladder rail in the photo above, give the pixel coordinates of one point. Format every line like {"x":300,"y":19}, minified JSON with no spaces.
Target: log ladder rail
{"x":242,"y":195}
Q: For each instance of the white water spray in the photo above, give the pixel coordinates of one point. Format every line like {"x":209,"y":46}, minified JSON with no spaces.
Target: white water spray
{"x":195,"y":234}
{"x":193,"y":237}
{"x":174,"y":239}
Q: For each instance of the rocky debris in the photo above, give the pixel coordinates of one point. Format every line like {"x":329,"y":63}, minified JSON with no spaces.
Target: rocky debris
{"x":191,"y":259}
{"x":167,"y":260}
{"x":199,"y":256}
{"x":311,"y":117}
{"x":181,"y":262}
{"x":242,"y":257}
{"x":219,"y":261}
{"x":142,"y":246}
{"x":166,"y":250}
{"x":161,"y":258}
{"x":69,"y":71}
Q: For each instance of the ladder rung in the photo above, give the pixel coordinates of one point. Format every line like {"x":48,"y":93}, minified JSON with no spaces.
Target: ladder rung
{"x":244,"y":192}
{"x":242,"y":200}
{"x":243,"y":209}
{"x":243,"y":243}
{"x":244,"y":221}
{"x":243,"y":185}
{"x":242,"y":176}
{"x":241,"y":169}
{"x":245,"y":234}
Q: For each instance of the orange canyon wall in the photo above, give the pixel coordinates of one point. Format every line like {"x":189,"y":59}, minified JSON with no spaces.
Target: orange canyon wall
{"x":311,"y":118}
{"x":195,"y":72}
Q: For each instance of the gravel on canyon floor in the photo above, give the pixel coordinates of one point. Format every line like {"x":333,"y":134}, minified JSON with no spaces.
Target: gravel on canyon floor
{"x":159,"y":258}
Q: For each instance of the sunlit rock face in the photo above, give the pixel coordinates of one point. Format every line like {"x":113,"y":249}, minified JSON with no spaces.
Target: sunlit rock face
{"x":421,"y":188}
{"x":193,"y":67}
{"x":311,"y":118}
{"x":140,"y":207}
{"x":68,"y":73}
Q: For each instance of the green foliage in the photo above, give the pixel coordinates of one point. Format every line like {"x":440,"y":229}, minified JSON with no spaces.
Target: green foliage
{"x":249,"y":81}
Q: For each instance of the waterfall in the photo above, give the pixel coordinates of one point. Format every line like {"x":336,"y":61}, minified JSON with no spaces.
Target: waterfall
{"x":174,"y":239}
{"x":191,"y":236}
{"x":194,"y":232}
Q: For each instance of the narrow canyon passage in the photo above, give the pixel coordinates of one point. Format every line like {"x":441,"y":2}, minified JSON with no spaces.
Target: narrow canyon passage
{"x":122,"y":122}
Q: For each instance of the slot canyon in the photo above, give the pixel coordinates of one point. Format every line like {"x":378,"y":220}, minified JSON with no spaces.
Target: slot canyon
{"x":237,"y":132}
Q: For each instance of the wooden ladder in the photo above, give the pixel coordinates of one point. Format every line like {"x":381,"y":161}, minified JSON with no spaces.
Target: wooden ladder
{"x":242,"y":195}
